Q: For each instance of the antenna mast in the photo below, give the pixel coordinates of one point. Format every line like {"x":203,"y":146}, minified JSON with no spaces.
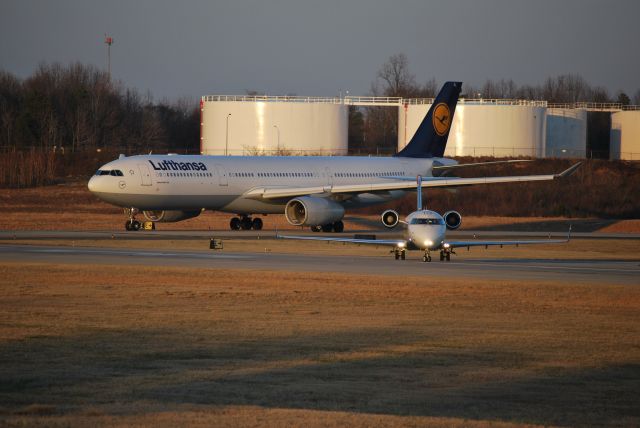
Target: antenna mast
{"x":108,"y":40}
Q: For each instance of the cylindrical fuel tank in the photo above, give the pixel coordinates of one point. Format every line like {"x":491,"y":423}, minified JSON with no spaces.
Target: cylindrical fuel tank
{"x":566,"y":133}
{"x":499,"y":128}
{"x":625,"y":135}
{"x":247,"y":125}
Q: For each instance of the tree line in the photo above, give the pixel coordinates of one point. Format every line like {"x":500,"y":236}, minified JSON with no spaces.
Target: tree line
{"x":78,"y":107}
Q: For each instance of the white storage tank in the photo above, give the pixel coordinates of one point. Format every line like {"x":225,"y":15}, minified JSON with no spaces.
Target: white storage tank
{"x":625,"y":135}
{"x":499,"y":128}
{"x":566,"y":133}
{"x":251,"y":125}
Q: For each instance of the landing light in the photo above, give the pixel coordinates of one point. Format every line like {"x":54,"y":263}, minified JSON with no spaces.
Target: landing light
{"x":428,"y":243}
{"x":401,"y":244}
{"x":446,"y":245}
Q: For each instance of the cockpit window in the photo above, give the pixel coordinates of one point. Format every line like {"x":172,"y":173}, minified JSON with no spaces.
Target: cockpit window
{"x":427,"y":221}
{"x":112,"y":172}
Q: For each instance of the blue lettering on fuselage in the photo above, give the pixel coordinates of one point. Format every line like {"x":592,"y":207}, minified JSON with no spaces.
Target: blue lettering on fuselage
{"x":171,"y":165}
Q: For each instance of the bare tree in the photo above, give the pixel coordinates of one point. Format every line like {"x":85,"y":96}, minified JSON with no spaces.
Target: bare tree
{"x":396,"y":78}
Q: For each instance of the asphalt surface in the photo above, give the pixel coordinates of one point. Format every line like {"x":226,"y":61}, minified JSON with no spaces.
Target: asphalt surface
{"x":567,"y":271}
{"x":248,"y":234}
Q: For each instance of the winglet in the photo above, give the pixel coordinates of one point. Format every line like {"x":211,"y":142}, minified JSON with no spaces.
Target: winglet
{"x":567,"y":172}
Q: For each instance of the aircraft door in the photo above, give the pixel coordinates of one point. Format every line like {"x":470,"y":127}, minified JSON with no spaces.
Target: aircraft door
{"x":329,"y":176}
{"x":145,"y":174}
{"x":222,"y":175}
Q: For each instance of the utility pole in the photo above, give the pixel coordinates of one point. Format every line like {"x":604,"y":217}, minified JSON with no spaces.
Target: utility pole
{"x":108,"y":40}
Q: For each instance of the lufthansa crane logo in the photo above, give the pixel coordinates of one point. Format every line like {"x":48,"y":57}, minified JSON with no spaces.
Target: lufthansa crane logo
{"x":441,"y":119}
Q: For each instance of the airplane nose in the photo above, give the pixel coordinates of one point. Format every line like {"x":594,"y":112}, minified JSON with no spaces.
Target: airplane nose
{"x":92,"y":185}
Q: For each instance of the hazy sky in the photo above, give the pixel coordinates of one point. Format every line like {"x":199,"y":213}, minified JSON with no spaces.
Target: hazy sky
{"x":193,"y":48}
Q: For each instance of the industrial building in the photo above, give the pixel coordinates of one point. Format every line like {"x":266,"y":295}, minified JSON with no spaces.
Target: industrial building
{"x":269,"y":125}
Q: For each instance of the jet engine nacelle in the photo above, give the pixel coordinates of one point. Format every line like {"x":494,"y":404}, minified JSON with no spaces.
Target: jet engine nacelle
{"x":390,"y":218}
{"x":170,"y":216}
{"x":452,"y":219}
{"x":312,"y":211}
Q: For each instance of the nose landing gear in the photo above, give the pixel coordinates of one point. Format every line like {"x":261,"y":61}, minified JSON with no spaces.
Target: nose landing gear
{"x":427,"y":256}
{"x":131,"y":223}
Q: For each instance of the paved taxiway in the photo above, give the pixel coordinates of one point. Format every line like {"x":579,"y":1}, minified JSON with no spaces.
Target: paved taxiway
{"x":574,"y":271}
{"x":244,"y":234}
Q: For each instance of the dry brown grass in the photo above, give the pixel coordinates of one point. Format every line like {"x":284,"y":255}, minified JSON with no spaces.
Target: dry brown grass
{"x":96,"y":345}
{"x":623,"y":226}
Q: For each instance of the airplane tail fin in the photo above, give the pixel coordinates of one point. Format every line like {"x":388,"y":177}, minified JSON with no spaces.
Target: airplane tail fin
{"x":430,"y":139}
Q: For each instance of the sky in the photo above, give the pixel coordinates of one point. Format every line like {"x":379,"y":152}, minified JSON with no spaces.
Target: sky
{"x":176,"y":49}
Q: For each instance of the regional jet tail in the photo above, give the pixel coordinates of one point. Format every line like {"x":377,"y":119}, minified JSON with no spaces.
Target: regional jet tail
{"x":310,"y":191}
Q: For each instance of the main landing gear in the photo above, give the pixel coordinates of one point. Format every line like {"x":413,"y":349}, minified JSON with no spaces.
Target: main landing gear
{"x":399,"y":253}
{"x":445,"y":255}
{"x":337,"y":227}
{"x":245,"y":223}
{"x":132,"y":223}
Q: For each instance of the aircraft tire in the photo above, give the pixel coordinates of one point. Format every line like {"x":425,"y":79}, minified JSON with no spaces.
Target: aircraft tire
{"x":327,"y":227}
{"x":234,"y":224}
{"x":338,"y":226}
{"x":317,"y":228}
{"x":127,"y":225}
{"x":245,"y":223}
{"x":256,"y":224}
{"x":135,"y":225}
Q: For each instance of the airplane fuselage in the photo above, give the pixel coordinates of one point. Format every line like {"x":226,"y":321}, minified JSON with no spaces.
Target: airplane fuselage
{"x":184,"y":182}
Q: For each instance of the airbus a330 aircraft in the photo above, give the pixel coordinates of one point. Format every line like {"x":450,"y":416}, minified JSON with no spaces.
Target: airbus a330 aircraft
{"x":310,"y":191}
{"x":425,"y":231}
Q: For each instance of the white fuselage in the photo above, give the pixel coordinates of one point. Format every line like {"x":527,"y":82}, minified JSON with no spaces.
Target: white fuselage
{"x":425,"y":230}
{"x":172,"y":182}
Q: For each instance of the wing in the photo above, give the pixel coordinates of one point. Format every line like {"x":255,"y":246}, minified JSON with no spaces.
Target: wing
{"x":476,"y":243}
{"x":392,"y":242}
{"x":396,"y":183}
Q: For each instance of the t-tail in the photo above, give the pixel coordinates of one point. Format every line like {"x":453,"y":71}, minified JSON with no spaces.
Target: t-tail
{"x":430,"y":139}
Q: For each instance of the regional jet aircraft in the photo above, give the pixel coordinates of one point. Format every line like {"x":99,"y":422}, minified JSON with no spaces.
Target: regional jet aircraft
{"x":309,"y":191}
{"x":425,"y":231}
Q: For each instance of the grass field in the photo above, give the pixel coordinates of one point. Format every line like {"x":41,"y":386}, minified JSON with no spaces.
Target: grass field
{"x":96,"y":345}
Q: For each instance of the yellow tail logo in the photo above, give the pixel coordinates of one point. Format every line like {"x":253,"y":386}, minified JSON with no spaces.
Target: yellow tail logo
{"x":441,"y":119}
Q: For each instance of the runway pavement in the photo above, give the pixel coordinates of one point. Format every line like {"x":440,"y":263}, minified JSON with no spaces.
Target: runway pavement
{"x":248,"y":234}
{"x":568,"y":271}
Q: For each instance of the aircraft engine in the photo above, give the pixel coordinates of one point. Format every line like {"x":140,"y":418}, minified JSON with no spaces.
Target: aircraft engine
{"x":170,"y":216}
{"x":390,"y":218}
{"x":312,"y":211}
{"x":452,"y":219}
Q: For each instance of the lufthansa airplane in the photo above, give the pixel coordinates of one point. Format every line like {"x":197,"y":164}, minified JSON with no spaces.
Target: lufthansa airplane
{"x":310,"y":191}
{"x":425,"y":230}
